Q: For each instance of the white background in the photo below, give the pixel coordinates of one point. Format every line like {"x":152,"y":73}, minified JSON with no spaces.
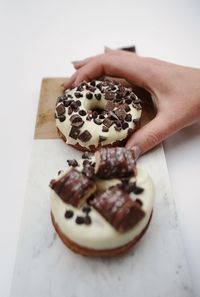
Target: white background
{"x":39,"y":39}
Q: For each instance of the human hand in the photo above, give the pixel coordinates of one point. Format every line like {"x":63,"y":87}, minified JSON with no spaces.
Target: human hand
{"x":175,"y":91}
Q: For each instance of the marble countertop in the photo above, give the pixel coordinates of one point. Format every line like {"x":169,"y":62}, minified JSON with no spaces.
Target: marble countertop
{"x":39,"y":39}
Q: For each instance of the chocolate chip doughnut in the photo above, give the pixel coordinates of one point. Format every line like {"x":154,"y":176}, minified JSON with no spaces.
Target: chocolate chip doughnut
{"x":102,"y":215}
{"x":96,"y":114}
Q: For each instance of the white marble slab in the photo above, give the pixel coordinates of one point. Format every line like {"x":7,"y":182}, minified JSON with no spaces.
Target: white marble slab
{"x":44,"y":267}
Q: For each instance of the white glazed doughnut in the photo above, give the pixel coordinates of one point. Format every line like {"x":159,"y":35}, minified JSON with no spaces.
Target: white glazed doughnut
{"x":98,"y":113}
{"x":89,"y":229}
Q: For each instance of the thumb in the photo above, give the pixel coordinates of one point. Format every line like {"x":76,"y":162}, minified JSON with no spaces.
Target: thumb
{"x":149,"y":135}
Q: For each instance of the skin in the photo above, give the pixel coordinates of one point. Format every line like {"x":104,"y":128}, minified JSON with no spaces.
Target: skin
{"x":175,"y":91}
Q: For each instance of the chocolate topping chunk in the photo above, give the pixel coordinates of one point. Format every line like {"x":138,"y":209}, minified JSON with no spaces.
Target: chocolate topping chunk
{"x":62,"y":118}
{"x":76,"y":121}
{"x":105,"y":129}
{"x":98,"y":96}
{"x":110,"y":95}
{"x":80,"y":220}
{"x":114,"y":162}
{"x":86,"y":209}
{"x":89,"y":96}
{"x":72,"y":163}
{"x":108,"y":122}
{"x":60,"y":109}
{"x":87,"y":220}
{"x":118,"y":209}
{"x":128,"y":117}
{"x":94,"y":114}
{"x":73,"y":188}
{"x":102,"y":138}
{"x":85,"y":136}
{"x":78,"y":94}
{"x":88,"y":170}
{"x":125,"y":125}
{"x":110,"y":106}
{"x":74,"y":132}
{"x":67,"y":103}
{"x":70,"y":110}
{"x":80,"y":88}
{"x":69,"y":214}
{"x":82,"y":112}
{"x":120,"y":113}
{"x":93,"y":83}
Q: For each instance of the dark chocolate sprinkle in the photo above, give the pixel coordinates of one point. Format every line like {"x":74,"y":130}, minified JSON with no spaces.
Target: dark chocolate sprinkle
{"x":94,"y":114}
{"x":102,"y":117}
{"x":67,"y":103}
{"x":78,"y":102}
{"x":126,"y":107}
{"x":97,"y":96}
{"x":62,"y":118}
{"x":137,"y":190}
{"x":139,"y":201}
{"x":88,"y":220}
{"x":60,"y":171}
{"x":86,"y":155}
{"x":93,"y":83}
{"x":69,"y":214}
{"x":80,"y":88}
{"x":128,"y":117}
{"x":69,"y":96}
{"x":86,"y":209}
{"x":102,"y":138}
{"x":125,"y":125}
{"x":70,"y":110}
{"x":80,"y":220}
{"x":78,"y":95}
{"x":72,"y":163}
{"x":82,"y":112}
{"x":89,"y":96}
{"x":76,"y":121}
{"x":99,"y":86}
{"x":128,"y":101}
{"x":108,"y":122}
{"x":117,"y":128}
{"x":86,"y":162}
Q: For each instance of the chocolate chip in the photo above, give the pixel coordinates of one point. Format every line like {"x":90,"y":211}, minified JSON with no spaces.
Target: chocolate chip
{"x":108,"y":122}
{"x":120,"y":113}
{"x":117,"y":128}
{"x":89,"y":96}
{"x":62,"y":118}
{"x":78,"y":95}
{"x":137,"y":190}
{"x":105,"y":129}
{"x":93,"y":83}
{"x":102,"y":138}
{"x":76,"y":121}
{"x":74,"y":132}
{"x":88,"y":170}
{"x":102,"y":117}
{"x":80,"y":220}
{"x":128,"y":101}
{"x":87,"y":220}
{"x":72,"y":163}
{"x":67,"y":103}
{"x":60,"y":109}
{"x":69,"y":214}
{"x":70,"y":110}
{"x":110,"y":96}
{"x":69,"y":96}
{"x":128,"y":117}
{"x":90,"y":88}
{"x":86,"y":155}
{"x":110,"y":106}
{"x":82,"y":112}
{"x":130,"y":131}
{"x":86,"y":209}
{"x":73,"y":104}
{"x":78,"y":102}
{"x":97,"y":96}
{"x":85,"y":136}
{"x":125,"y":125}
{"x":139,"y":201}
{"x":94,"y":114}
{"x":97,"y":121}
{"x":126,"y":107}
{"x":99,"y":86}
{"x":80,"y":88}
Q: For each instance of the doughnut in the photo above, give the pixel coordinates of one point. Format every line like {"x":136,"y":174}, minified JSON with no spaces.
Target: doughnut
{"x":102,"y":206}
{"x":96,"y":114}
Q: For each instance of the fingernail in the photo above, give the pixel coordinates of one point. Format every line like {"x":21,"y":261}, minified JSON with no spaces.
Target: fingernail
{"x":137,"y":151}
{"x":75,"y":62}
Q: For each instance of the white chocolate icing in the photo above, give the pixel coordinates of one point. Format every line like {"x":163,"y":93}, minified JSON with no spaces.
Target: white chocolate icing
{"x":111,"y":136}
{"x":100,"y":234}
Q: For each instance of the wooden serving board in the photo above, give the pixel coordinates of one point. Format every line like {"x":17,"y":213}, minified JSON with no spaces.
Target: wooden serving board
{"x":44,"y":267}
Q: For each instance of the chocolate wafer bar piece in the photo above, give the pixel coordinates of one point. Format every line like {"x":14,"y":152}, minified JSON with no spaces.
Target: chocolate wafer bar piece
{"x":73,"y":187}
{"x":118,"y":209}
{"x":116,"y":162}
